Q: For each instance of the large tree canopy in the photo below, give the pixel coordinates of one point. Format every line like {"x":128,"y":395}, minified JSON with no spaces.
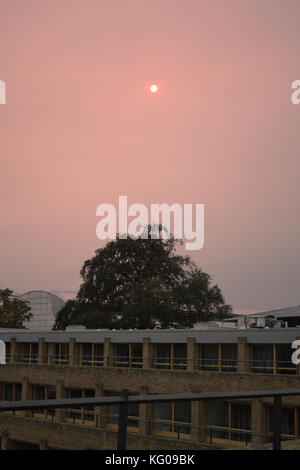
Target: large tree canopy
{"x":13,"y":311}
{"x":142,"y":283}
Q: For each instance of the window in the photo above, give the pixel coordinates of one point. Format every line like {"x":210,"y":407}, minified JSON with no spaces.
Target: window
{"x":128,"y":355}
{"x":91,"y":354}
{"x":11,"y":392}
{"x":78,"y":414}
{"x":228,"y":421}
{"x":121,"y":358}
{"x":262,"y":358}
{"x":60,"y":353}
{"x":171,"y":419}
{"x":113,"y":413}
{"x":229,"y":357}
{"x":28,"y":352}
{"x":209,"y":357}
{"x":170,"y":356}
{"x":43,"y":392}
{"x":7,"y":351}
{"x":179,"y":356}
{"x":290,"y":421}
{"x":284,"y":364}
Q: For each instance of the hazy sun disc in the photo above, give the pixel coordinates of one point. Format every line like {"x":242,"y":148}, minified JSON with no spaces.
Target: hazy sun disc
{"x":153,"y":88}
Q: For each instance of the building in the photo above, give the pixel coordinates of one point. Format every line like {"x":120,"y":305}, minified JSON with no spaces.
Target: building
{"x":280,"y":318}
{"x":44,"y":307}
{"x":85,"y":363}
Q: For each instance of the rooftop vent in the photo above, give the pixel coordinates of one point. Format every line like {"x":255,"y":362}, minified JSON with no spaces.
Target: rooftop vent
{"x":75,"y":328}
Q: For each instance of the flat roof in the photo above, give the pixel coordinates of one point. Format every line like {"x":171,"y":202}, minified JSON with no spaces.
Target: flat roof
{"x":278,"y":313}
{"x":211,"y":336}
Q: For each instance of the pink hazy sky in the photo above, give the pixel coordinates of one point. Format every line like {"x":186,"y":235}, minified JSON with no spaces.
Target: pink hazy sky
{"x":81,"y":128}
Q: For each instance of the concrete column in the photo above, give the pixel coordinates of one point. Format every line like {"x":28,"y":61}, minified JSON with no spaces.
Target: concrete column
{"x":26,"y":394}
{"x":145,"y":413}
{"x":108,"y":353}
{"x":13,"y":350}
{"x":43,"y":444}
{"x":42,"y":359}
{"x":198,"y":418}
{"x":4,"y":440}
{"x":192,"y":354}
{"x":100,"y":411}
{"x":60,"y":393}
{"x":258,"y":422}
{"x":244,"y":355}
{"x":148,"y":353}
{"x":73,"y":352}
{"x":6,"y":443}
{"x":195,"y":420}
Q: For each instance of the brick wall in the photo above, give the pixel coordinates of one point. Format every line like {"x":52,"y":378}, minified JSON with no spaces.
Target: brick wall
{"x":139,"y":381}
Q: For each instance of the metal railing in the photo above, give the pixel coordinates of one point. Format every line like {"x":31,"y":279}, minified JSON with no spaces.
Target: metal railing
{"x":124,"y":400}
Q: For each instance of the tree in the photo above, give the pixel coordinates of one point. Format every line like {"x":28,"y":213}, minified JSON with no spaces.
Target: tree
{"x":142,"y":283}
{"x":73,"y":313}
{"x":13,"y":311}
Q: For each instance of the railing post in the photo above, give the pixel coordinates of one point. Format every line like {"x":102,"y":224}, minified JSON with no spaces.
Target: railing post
{"x":123,"y":417}
{"x":277,"y":423}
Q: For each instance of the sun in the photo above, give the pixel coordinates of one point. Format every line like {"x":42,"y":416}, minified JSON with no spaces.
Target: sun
{"x":153,"y":88}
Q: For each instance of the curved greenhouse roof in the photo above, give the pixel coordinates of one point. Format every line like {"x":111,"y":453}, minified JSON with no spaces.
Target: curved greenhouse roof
{"x":44,"y":307}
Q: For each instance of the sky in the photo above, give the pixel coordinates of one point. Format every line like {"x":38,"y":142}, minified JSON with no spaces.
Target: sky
{"x":80,"y":127}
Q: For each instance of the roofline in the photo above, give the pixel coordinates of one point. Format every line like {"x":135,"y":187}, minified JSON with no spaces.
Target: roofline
{"x":45,"y":291}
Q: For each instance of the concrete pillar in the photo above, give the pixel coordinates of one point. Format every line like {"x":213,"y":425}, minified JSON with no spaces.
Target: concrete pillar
{"x":4,"y":440}
{"x":60,"y":393}
{"x":13,"y":350}
{"x":73,"y":352}
{"x":148,"y":353}
{"x":145,"y":413}
{"x":195,"y":420}
{"x":6,"y":443}
{"x":108,"y":353}
{"x":43,"y":444}
{"x":258,"y":422}
{"x":244,"y":355}
{"x":100,"y":411}
{"x":26,"y":394}
{"x":192,"y":354}
{"x":198,"y":418}
{"x":42,"y":358}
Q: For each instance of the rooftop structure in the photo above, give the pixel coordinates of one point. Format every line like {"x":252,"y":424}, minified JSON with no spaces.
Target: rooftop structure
{"x":44,"y":307}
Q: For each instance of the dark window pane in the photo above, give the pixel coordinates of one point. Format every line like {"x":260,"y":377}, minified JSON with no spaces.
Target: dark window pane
{"x":284,"y":356}
{"x":209,"y":355}
{"x":287,"y":420}
{"x":182,"y":411}
{"x":229,"y":357}
{"x":162,"y":411}
{"x":241,"y":416}
{"x":163,"y":356}
{"x":122,"y":355}
{"x":180,"y":355}
{"x":262,"y":358}
{"x":217,"y":413}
